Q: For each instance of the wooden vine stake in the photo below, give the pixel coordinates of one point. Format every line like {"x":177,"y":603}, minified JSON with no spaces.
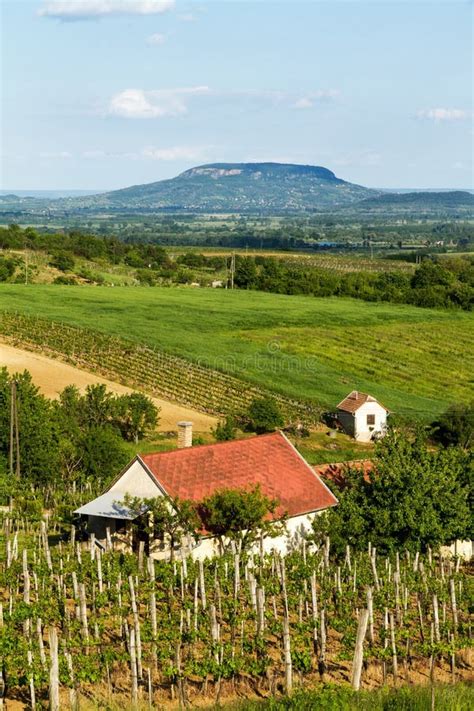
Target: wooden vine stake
{"x":53,"y":670}
{"x":133,"y":668}
{"x":287,"y":654}
{"x":359,"y":649}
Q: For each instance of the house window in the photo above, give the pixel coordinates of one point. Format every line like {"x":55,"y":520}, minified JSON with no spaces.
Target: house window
{"x":371,"y":419}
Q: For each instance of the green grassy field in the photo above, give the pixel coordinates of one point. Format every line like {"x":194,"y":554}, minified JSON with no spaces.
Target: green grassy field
{"x":416,"y":361}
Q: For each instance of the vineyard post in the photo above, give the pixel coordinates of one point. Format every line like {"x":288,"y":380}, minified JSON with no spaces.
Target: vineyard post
{"x":322,"y":649}
{"x":73,"y":695}
{"x":83,"y":613}
{"x":39,"y":632}
{"x":53,"y":670}
{"x":133,"y":669}
{"x":31,"y":681}
{"x":432,"y":667}
{"x":436,"y":618}
{"x":314,"y":610}
{"x":287,"y":652}
{"x":394,"y":650}
{"x":136,"y":623}
{"x":202,"y":585}
{"x":359,"y":649}
{"x":454,"y":607}
{"x":150,"y":689}
{"x":152,"y":605}
{"x":370,"y":610}
{"x":373,"y":564}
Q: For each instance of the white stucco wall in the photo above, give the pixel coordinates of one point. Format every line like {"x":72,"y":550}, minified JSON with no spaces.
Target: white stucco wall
{"x":136,"y":481}
{"x":463,"y":549}
{"x":296,"y":529}
{"x":364,"y":432}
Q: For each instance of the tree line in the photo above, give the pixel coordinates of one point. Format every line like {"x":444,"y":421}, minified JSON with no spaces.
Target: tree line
{"x":48,"y":447}
{"x":439,"y":282}
{"x":436,"y":283}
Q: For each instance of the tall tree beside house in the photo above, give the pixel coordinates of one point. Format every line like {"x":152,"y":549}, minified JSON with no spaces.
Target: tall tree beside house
{"x":35,"y":457}
{"x":56,"y":444}
{"x":225,"y":430}
{"x":264,"y":415}
{"x":164,"y":518}
{"x":415,"y":497}
{"x":240,"y":516}
{"x":135,"y":416}
{"x":455,"y":427}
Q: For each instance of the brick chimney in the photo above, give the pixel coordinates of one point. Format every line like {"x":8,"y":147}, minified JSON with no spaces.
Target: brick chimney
{"x":185,"y":434}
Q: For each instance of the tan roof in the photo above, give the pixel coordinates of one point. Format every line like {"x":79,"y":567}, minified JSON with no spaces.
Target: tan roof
{"x":356,"y":399}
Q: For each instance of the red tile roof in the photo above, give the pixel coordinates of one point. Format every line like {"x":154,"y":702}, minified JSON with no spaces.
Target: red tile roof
{"x":268,"y":460}
{"x":356,"y":399}
{"x":336,"y":472}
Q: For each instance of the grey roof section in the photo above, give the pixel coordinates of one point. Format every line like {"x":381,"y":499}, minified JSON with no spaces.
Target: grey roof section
{"x":109,"y":505}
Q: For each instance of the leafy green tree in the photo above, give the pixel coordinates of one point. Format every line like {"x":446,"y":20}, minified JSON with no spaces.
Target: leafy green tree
{"x":455,"y":427}
{"x":135,"y":415}
{"x":64,"y":261}
{"x":103,"y":453}
{"x":245,"y":276}
{"x":265,"y":415}
{"x":164,"y":518}
{"x":225,"y":430}
{"x":415,"y":497}
{"x":37,"y":434}
{"x":240,"y":516}
{"x":97,"y":405}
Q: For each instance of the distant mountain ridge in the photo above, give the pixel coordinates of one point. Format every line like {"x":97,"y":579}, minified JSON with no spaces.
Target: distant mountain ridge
{"x":246,"y":188}
{"x":239,"y":187}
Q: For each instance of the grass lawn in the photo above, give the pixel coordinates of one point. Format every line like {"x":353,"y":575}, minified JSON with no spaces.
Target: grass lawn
{"x":416,"y":361}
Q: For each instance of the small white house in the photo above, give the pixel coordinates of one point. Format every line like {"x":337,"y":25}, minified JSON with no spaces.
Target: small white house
{"x":362,"y":416}
{"x":194,"y":473}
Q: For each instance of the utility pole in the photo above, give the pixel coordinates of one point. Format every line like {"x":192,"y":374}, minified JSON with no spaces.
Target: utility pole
{"x":14,"y":431}
{"x":232,"y":270}
{"x":12,"y":426}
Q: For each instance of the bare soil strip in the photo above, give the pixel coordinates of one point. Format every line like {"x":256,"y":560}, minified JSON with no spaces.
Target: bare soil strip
{"x":52,"y":376}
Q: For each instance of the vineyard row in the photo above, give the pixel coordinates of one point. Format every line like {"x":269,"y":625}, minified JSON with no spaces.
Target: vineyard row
{"x":146,"y":368}
{"x":76,"y":619}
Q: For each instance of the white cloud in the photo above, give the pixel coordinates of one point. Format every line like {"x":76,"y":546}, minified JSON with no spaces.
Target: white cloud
{"x":441,"y":114}
{"x":61,"y":155}
{"x":187,"y":17}
{"x":304,"y":103}
{"x":156,"y":39}
{"x":93,"y":9}
{"x":137,"y":103}
{"x":309,"y":100}
{"x":174,"y":153}
{"x":151,"y":153}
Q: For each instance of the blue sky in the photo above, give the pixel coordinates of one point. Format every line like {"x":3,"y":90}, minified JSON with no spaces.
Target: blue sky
{"x":101,"y":94}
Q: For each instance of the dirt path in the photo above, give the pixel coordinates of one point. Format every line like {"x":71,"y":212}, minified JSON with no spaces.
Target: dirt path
{"x":52,"y":376}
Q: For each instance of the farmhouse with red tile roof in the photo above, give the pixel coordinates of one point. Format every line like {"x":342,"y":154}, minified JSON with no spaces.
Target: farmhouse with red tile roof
{"x":362,"y":416}
{"x":193,"y":473}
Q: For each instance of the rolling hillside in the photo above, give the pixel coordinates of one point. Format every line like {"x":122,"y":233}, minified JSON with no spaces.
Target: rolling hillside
{"x":417,"y":361}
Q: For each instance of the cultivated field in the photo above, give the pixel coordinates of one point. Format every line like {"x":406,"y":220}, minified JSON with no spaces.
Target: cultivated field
{"x":96,"y":629}
{"x":417,"y":361}
{"x":52,"y":376}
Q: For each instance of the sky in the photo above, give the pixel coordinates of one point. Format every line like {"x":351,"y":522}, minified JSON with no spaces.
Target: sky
{"x":102,"y":94}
